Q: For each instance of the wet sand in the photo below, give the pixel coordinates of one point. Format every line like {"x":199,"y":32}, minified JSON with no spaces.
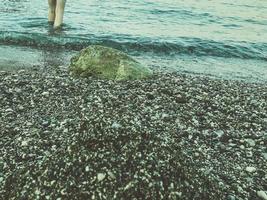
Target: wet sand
{"x":20,"y":57}
{"x":169,"y":137}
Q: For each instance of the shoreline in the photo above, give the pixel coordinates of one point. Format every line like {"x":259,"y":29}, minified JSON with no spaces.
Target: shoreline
{"x":172,"y":136}
{"x":214,"y":67}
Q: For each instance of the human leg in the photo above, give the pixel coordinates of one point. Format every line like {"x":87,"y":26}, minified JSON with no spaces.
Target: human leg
{"x":52,"y":10}
{"x":60,"y":6}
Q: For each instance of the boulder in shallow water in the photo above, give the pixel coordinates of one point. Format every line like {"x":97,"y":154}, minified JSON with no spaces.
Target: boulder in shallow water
{"x":108,"y":63}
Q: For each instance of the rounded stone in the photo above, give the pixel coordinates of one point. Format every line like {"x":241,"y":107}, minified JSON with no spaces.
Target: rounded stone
{"x":251,"y":142}
{"x":108,"y":63}
{"x":101,"y":176}
{"x":262,"y":195}
{"x":251,"y":169}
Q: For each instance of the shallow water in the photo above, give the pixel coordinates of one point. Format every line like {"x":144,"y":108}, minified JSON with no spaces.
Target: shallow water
{"x":218,"y":38}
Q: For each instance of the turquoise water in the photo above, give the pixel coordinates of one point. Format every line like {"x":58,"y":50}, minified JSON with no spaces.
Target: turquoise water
{"x":217,"y":38}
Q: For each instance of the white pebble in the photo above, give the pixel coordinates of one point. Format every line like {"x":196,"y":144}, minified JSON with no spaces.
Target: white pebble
{"x":101,"y":176}
{"x":9,"y":110}
{"x":262,"y":195}
{"x":115,"y":125}
{"x":21,"y":107}
{"x":251,"y":169}
{"x":29,"y":124}
{"x":24,"y":143}
{"x":45,"y":93}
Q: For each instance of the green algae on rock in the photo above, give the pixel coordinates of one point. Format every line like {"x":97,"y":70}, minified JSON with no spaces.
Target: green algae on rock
{"x":108,"y":63}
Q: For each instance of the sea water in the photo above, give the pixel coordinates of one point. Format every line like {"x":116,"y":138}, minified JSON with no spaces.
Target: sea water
{"x":222,"y":38}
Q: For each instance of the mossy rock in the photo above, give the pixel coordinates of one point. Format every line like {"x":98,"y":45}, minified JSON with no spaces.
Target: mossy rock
{"x":107,"y":63}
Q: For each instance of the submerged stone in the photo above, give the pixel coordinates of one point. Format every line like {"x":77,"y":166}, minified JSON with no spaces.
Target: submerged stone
{"x":107,"y":63}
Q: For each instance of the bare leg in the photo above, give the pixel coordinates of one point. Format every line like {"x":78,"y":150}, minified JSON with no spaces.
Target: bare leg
{"x":52,"y":10}
{"x":59,"y":12}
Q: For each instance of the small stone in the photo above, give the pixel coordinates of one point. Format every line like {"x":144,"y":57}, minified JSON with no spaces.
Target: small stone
{"x":242,"y":147}
{"x":115,"y":125}
{"x":230,"y":197}
{"x":29,"y":124}
{"x":219,"y":133}
{"x":254,"y":102}
{"x":251,"y":142}
{"x":221,"y":184}
{"x":45,"y":123}
{"x":111,"y":175}
{"x":128,"y":186}
{"x":222,"y":147}
{"x":9,"y":110}
{"x":24,"y":143}
{"x":45,"y":94}
{"x":232,"y":144}
{"x":262,"y":194}
{"x":21,"y":107}
{"x":101,"y":176}
{"x":249,"y":154}
{"x":21,"y":71}
{"x":240,"y":189}
{"x":37,"y":192}
{"x":150,"y":96}
{"x":87,"y":169}
{"x":18,"y":90}
{"x":164,"y":115}
{"x":264,"y":155}
{"x":65,"y":130}
{"x":251,"y":169}
{"x":180,"y":99}
{"x":195,"y":122}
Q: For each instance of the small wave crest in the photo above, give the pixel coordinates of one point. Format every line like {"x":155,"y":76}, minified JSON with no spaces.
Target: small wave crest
{"x":188,"y":46}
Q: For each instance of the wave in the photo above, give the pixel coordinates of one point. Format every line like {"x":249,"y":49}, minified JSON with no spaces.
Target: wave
{"x":135,"y":45}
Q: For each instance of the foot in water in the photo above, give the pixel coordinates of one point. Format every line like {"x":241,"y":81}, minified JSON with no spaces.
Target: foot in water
{"x":56,"y":12}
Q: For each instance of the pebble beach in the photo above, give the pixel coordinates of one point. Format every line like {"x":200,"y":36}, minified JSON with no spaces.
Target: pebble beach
{"x":172,"y":136}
